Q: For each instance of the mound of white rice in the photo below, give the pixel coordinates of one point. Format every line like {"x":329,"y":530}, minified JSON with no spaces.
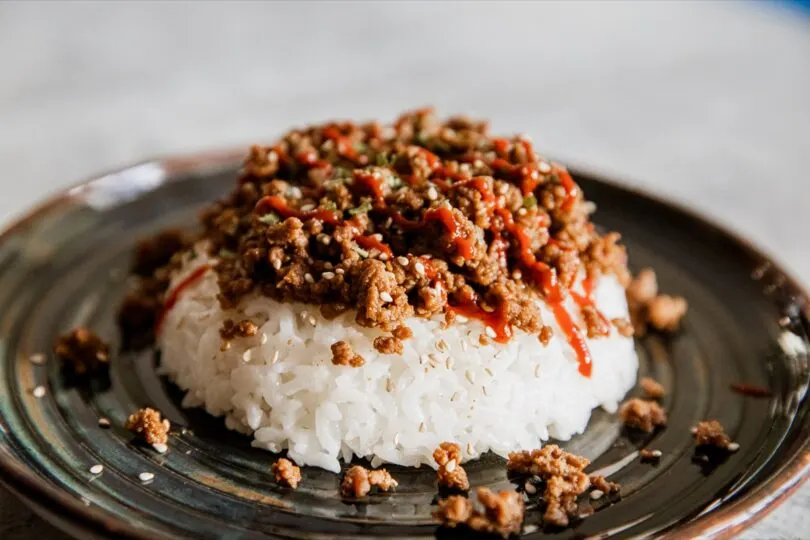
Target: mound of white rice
{"x":281,"y":387}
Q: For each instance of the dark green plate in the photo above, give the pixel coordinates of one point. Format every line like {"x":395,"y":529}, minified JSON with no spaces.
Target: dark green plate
{"x":64,"y":265}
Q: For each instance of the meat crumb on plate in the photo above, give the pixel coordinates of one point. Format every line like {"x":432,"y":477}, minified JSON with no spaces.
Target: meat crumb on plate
{"x":148,"y":426}
{"x":652,"y":388}
{"x":287,"y":473}
{"x":81,"y":351}
{"x":450,"y":474}
{"x":643,"y":414}
{"x":343,"y":355}
{"x":712,"y":433}
{"x":358,"y":481}
{"x":499,"y":514}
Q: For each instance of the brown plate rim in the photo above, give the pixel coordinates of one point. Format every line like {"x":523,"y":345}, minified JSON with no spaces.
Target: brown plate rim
{"x":724,"y":522}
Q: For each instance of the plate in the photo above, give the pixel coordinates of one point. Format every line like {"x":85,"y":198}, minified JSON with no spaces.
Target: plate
{"x":65,"y":265}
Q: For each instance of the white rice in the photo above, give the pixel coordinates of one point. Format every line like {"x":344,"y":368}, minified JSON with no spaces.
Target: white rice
{"x":281,"y":387}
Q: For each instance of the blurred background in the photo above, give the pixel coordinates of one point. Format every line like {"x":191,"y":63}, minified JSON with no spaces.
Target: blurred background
{"x":706,"y":103}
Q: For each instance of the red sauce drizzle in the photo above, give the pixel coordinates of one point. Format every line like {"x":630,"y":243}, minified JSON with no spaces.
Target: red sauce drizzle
{"x":497,"y":319}
{"x":587,"y":300}
{"x":174,"y":295}
{"x":371,"y":184}
{"x":501,"y":147}
{"x":277,"y":204}
{"x":343,"y":144}
{"x":369,"y":242}
{"x":751,"y":390}
{"x":571,"y":189}
{"x":445,"y":217}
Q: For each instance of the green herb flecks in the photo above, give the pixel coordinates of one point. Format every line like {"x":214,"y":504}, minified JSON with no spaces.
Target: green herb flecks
{"x":529,"y":201}
{"x":364,"y":208}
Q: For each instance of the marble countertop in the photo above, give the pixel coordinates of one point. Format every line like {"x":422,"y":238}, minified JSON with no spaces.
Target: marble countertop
{"x":705,"y":103}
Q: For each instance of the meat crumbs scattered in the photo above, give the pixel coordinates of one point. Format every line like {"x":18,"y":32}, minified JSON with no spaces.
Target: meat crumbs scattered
{"x":417,"y":218}
{"x":500,"y":514}
{"x":642,"y":414}
{"x":450,"y":474}
{"x":287,"y":473}
{"x":712,"y":433}
{"x":652,"y":388}
{"x":148,"y":426}
{"x":343,"y":355}
{"x":648,"y":307}
{"x":358,"y":481}
{"x":81,"y":351}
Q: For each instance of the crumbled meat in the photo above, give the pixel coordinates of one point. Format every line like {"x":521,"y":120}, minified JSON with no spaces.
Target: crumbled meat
{"x":665,"y":312}
{"x":652,"y":388}
{"x":231,"y":330}
{"x":642,"y":414}
{"x":546,"y":333}
{"x":81,"y":351}
{"x":358,"y":481}
{"x":643,"y":289}
{"x":388,"y":345}
{"x":421,"y":218}
{"x":624,"y":327}
{"x":287,"y":473}
{"x":501,"y":513}
{"x":648,"y":455}
{"x":595,"y":323}
{"x":343,"y":355}
{"x":712,"y":433}
{"x":603,"y":484}
{"x":147,"y":425}
{"x":451,"y":475}
{"x":563,"y":475}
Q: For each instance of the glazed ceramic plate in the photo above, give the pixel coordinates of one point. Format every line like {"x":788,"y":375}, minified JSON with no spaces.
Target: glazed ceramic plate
{"x":65,"y":265}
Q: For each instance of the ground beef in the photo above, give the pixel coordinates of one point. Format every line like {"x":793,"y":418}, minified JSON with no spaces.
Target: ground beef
{"x":652,"y":388}
{"x":231,"y":330}
{"x":388,"y":345}
{"x":546,"y":333}
{"x":501,"y":513}
{"x":603,"y":484}
{"x":648,"y":455}
{"x":643,"y":289}
{"x":343,"y":355}
{"x":403,"y":332}
{"x":450,"y":474}
{"x":358,"y":481}
{"x":148,"y":426}
{"x":391,"y":223}
{"x":624,"y":327}
{"x":712,"y":433}
{"x":81,"y":351}
{"x":287,"y":473}
{"x":648,"y":308}
{"x":596,"y":325}
{"x":642,"y":414}
{"x":665,"y":312}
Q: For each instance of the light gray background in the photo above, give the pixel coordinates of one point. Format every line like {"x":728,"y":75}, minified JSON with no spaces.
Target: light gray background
{"x":705,"y":103}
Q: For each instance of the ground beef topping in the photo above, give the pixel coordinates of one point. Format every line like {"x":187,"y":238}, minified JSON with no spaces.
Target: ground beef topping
{"x":343,"y":355}
{"x":418,"y":218}
{"x":388,"y":345}
{"x":287,"y":473}
{"x":81,"y":351}
{"x":358,"y":481}
{"x":652,"y":388}
{"x":649,"y":455}
{"x":712,"y":433}
{"x":642,"y":414}
{"x":148,"y":426}
{"x":450,"y":474}
{"x":649,"y":308}
{"x":231,"y":330}
{"x":500,"y":514}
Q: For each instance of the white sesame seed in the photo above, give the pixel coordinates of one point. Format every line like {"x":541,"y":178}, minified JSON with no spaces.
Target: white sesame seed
{"x":103,"y":422}
{"x":489,"y":371}
{"x":263,"y":339}
{"x":503,"y":189}
{"x":694,"y":430}
{"x":389,"y":384}
{"x":38,"y":392}
{"x":733,"y":447}
{"x":484,"y":390}
{"x":246,"y":356}
{"x":96,"y":469}
{"x":422,"y":427}
{"x":160,"y":448}
{"x":396,"y":439}
{"x":325,"y":239}
{"x":424,"y":359}
{"x":308,"y":278}
{"x":328,"y":265}
{"x":491,"y":332}
{"x":441,"y":345}
{"x":470,"y":376}
{"x":450,"y":466}
{"x":402,"y":260}
{"x":449,"y":362}
{"x":277,"y":264}
{"x":432,"y":194}
{"x":529,"y":488}
{"x":328,"y":275}
{"x":455,"y":396}
{"x":544,"y":167}
{"x":389,"y":222}
{"x":37,"y":358}
{"x":530,"y":529}
{"x":657,"y":453}
{"x":312,"y":320}
{"x":461,"y":318}
{"x":470,"y":449}
{"x":521,"y":212}
{"x":597,"y":494}
{"x":275,"y":357}
{"x":146,"y":476}
{"x":386,"y":297}
{"x":537,"y":370}
{"x":377,"y":236}
{"x":383,"y":257}
{"x":419,"y":267}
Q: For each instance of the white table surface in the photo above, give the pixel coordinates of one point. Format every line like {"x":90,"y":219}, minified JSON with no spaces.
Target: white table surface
{"x":705,"y":103}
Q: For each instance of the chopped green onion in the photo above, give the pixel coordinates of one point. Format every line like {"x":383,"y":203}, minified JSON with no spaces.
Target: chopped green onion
{"x":362,"y":209}
{"x":529,"y":201}
{"x":329,"y":205}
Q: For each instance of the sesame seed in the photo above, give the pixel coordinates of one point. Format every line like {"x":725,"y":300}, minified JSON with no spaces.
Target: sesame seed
{"x":402,"y":260}
{"x":784,"y":321}
{"x":432,"y":194}
{"x":503,"y":189}
{"x":455,"y":396}
{"x":484,"y":390}
{"x":461,"y":318}
{"x":38,"y":392}
{"x":386,"y":297}
{"x":419,"y":267}
{"x":422,"y":427}
{"x":340,"y":271}
{"x":146,"y":476}
{"x":37,"y":358}
{"x":491,"y":332}
{"x":308,"y":278}
{"x":470,"y":449}
{"x":441,"y":345}
{"x":389,"y":222}
{"x":96,"y":469}
{"x":489,"y":371}
{"x":383,"y":257}
{"x":328,"y":275}
{"x":537,"y":370}
{"x":263,"y":339}
{"x":246,"y":356}
{"x":449,"y":363}
{"x":377,"y":236}
{"x":544,"y":167}
{"x":312,"y":320}
{"x":275,"y":357}
{"x":656,"y":453}
{"x":521,"y":212}
{"x":693,"y":430}
{"x":396,"y":439}
{"x":160,"y":448}
{"x":597,"y":494}
{"x":103,"y":422}
{"x":733,"y":447}
{"x":470,"y":376}
{"x":450,"y":466}
{"x":424,"y":359}
{"x":529,"y":488}
{"x":389,"y":384}
{"x":277,"y":264}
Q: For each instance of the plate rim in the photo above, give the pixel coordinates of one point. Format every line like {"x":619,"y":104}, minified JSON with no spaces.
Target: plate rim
{"x":50,"y":503}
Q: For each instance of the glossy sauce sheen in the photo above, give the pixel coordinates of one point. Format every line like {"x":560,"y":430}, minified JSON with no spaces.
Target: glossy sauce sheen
{"x":174,"y":295}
